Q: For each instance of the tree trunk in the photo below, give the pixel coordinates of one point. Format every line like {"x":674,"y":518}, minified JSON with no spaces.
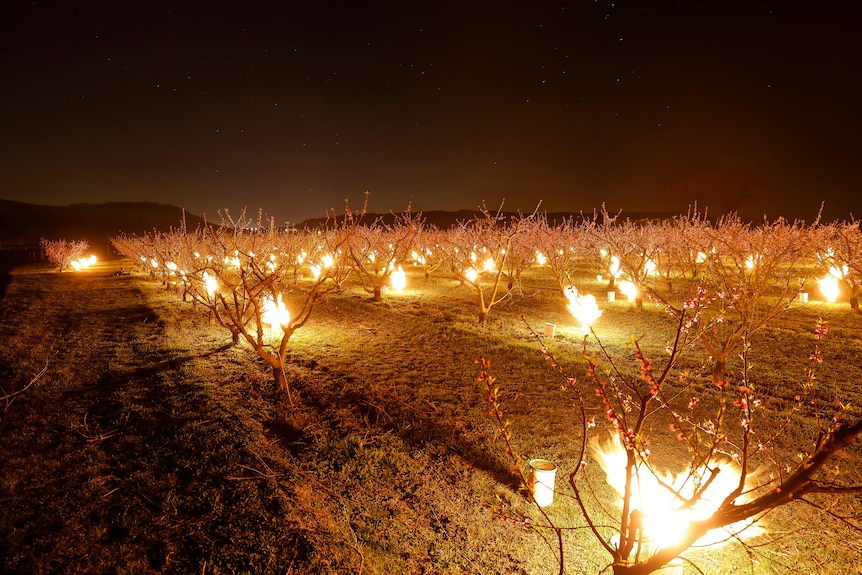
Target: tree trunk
{"x":639,"y":301}
{"x":282,"y":389}
{"x":718,"y":371}
{"x":377,"y":291}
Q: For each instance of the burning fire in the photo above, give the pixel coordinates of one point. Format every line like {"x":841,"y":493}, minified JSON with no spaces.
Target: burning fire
{"x":210,"y":283}
{"x":83,"y":263}
{"x":274,"y":312}
{"x":830,"y":286}
{"x":398,"y":279}
{"x":614,"y":267}
{"x":668,"y":501}
{"x":490,"y":265}
{"x":629,"y":289}
{"x":541,"y":259}
{"x":583,"y":307}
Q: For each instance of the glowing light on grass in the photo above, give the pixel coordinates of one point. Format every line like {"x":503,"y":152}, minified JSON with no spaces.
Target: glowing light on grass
{"x":670,"y":502}
{"x":471,"y":275}
{"x":398,"y":279}
{"x":583,"y":307}
{"x":629,"y":289}
{"x":154,"y":263}
{"x":274,"y":312}
{"x":171,"y":266}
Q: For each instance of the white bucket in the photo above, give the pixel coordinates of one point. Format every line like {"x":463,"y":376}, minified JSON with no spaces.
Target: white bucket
{"x":612,"y":295}
{"x":599,"y":278}
{"x":542,"y":475}
{"x":550,"y":328}
{"x":803,"y":297}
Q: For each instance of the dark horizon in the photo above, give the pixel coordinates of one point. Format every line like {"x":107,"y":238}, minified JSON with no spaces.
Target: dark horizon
{"x":748,"y":107}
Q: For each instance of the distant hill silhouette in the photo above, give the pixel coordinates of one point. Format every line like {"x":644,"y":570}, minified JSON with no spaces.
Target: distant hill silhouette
{"x":23,"y":224}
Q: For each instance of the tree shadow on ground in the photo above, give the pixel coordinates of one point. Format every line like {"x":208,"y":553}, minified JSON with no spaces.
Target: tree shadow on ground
{"x":417,"y":428}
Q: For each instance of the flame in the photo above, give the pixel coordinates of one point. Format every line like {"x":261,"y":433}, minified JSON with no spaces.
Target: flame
{"x":211,"y":284}
{"x":838,"y":273}
{"x":662,"y":496}
{"x":274,"y":312}
{"x":272,"y":264}
{"x":829,"y":288}
{"x":83,"y":263}
{"x":490,"y":265}
{"x":541,"y":259}
{"x":751,"y":261}
{"x":614,"y":267}
{"x":629,"y":289}
{"x":650,"y":267}
{"x":399,"y":279}
{"x":584,"y":308}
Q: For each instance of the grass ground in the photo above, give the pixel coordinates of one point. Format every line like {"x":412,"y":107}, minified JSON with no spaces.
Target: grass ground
{"x":149,"y":445}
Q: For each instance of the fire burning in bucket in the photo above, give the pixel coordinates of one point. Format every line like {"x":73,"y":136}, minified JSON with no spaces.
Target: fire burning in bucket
{"x":583,"y":307}
{"x":668,"y":503}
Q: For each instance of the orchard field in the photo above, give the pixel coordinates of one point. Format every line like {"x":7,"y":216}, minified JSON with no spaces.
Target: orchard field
{"x":157,"y":423}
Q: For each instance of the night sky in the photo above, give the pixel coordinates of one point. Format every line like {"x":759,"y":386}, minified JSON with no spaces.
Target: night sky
{"x":291,"y":107}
